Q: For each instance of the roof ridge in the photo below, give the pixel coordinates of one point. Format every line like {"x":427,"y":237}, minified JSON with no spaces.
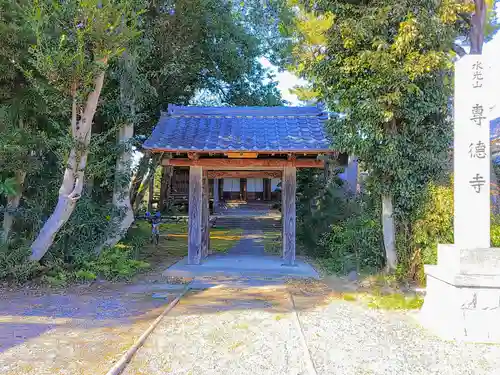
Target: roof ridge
{"x":174,"y":110}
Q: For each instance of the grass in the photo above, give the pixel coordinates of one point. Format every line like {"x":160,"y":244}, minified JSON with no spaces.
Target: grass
{"x":395,"y":301}
{"x":386,"y":301}
{"x":377,"y":291}
{"x":272,"y":242}
{"x":174,"y":239}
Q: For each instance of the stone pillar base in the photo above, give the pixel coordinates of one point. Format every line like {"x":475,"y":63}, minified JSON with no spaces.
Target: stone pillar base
{"x":462,"y":299}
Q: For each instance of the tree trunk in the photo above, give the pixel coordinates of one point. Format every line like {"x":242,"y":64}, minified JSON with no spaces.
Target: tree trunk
{"x":166,"y":184}
{"x":121,"y":192}
{"x":72,"y":184}
{"x":12,"y":205}
{"x":151,"y":192}
{"x":478,"y":20}
{"x":389,"y":232}
{"x":153,"y":163}
{"x":138,"y":178}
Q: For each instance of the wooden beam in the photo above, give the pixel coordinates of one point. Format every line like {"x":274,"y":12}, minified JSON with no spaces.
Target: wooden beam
{"x":195,"y":215}
{"x":244,"y":174}
{"x":205,"y":235}
{"x":216,"y":191}
{"x":289,"y":189}
{"x":242,"y":155}
{"x":244,"y":163}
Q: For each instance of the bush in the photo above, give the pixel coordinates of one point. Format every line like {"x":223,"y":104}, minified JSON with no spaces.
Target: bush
{"x":83,"y":275}
{"x":320,"y":204}
{"x":495,"y":231}
{"x":59,"y":280}
{"x":434,"y":226}
{"x":117,"y":263}
{"x":14,"y":264}
{"x":356,"y":242}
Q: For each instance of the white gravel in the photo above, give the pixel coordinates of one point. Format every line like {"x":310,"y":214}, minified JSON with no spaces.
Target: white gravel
{"x":247,"y":332}
{"x":349,"y":339}
{"x":233,"y":342}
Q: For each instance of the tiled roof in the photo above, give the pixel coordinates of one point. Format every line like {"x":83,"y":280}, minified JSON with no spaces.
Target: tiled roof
{"x":495,"y":129}
{"x":220,"y":129}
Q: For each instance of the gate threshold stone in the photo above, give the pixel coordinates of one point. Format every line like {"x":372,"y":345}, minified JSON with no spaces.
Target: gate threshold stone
{"x":241,"y":266}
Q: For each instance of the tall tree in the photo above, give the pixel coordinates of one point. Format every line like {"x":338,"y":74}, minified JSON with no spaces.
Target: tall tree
{"x":187,"y":50}
{"x":75,"y":41}
{"x":386,"y":68}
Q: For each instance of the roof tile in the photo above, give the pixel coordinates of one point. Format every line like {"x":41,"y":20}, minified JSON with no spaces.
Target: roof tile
{"x":281,"y":129}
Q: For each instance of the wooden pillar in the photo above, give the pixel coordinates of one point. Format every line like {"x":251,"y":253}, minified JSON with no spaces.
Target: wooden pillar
{"x":195,"y":215}
{"x":205,"y":235}
{"x":289,"y":183}
{"x":216,"y":194}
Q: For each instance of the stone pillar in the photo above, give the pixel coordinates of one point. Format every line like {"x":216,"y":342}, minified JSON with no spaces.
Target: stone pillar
{"x":216,"y":194}
{"x":205,"y":230}
{"x":289,"y":183}
{"x":463,"y":290}
{"x":195,"y":215}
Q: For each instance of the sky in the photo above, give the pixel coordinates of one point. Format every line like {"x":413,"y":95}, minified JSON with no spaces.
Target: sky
{"x":286,"y":81}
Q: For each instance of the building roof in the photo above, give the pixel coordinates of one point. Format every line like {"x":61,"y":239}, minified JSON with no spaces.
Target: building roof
{"x":495,"y":129}
{"x":241,"y":129}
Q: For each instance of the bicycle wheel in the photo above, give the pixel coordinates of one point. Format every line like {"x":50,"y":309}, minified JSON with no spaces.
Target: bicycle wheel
{"x":157,"y":239}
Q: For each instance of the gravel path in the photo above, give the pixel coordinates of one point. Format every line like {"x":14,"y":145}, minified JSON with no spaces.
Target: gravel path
{"x":224,"y":332}
{"x":252,"y":331}
{"x":350,"y":339}
{"x":73,"y":334}
{"x":244,"y":327}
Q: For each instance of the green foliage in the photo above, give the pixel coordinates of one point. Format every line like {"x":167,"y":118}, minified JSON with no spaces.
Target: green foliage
{"x":355,"y":243}
{"x":117,"y":263}
{"x":320,"y":203}
{"x":395,"y":301}
{"x":273,"y":243}
{"x":495,"y":231}
{"x":56,"y":280}
{"x":14,"y":264}
{"x":77,"y":39}
{"x":385,"y":69}
{"x":342,"y":231}
{"x":8,"y":187}
{"x":435,"y":224}
{"x":50,"y":53}
{"x":82,"y":275}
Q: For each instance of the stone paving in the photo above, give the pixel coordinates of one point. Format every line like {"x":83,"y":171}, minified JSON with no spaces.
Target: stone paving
{"x":247,"y":258}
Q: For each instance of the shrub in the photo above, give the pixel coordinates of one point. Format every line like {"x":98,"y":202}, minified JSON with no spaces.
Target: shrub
{"x":57,"y":280}
{"x":495,"y":231}
{"x":320,"y":204}
{"x":14,"y":263}
{"x":117,"y":263}
{"x":83,"y":275}
{"x":435,"y":224}
{"x":355,"y":243}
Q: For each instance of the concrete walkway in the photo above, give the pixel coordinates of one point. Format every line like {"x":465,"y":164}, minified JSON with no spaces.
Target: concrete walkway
{"x":247,"y":258}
